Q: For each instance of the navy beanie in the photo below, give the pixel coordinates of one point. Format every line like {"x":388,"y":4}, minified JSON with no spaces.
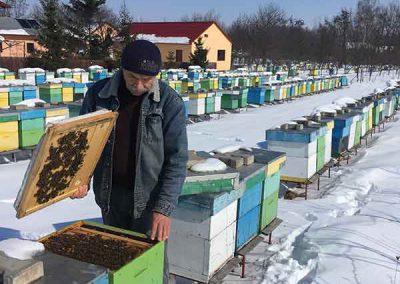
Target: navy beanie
{"x":142,"y":57}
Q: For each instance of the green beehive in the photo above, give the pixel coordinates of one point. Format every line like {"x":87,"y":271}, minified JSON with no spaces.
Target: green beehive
{"x":210,"y":103}
{"x":207,"y":84}
{"x":145,"y":263}
{"x":230,"y":100}
{"x":196,"y":86}
{"x":320,"y":152}
{"x":243,"y":97}
{"x":269,"y":205}
{"x":357,"y":138}
{"x":15,"y":97}
{"x":51,"y":93}
{"x":270,"y":94}
{"x":74,"y":108}
{"x":30,"y":131}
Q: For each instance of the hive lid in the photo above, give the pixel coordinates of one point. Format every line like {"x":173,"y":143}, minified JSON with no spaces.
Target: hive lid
{"x":64,"y":159}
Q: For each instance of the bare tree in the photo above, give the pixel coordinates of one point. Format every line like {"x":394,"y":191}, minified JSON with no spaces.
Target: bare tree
{"x":18,"y":8}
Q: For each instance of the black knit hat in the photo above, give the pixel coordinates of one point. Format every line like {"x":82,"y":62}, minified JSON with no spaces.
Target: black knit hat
{"x":142,"y":57}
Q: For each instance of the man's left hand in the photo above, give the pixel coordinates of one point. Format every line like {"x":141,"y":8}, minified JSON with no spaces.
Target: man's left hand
{"x":161,"y":226}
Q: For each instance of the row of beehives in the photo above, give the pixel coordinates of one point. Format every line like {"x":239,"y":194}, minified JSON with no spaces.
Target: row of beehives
{"x":311,"y":141}
{"x":38,"y":76}
{"x":227,"y":200}
{"x":304,"y":86}
{"x":22,"y":128}
{"x":206,"y":102}
{"x":55,"y":91}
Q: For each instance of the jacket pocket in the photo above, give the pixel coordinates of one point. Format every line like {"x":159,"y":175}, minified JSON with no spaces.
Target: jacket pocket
{"x":153,"y":127}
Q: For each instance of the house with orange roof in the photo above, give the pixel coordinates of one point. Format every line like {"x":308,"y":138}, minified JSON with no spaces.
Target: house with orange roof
{"x":180,"y":38}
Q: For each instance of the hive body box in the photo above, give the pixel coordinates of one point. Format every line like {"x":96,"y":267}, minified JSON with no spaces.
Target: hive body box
{"x":270,"y":93}
{"x":204,"y":227}
{"x":4,"y":96}
{"x":274,"y":162}
{"x":51,"y":93}
{"x":54,"y":114}
{"x":9,"y":139}
{"x":230,"y":99}
{"x":210,"y":103}
{"x":31,"y":126}
{"x":218,"y":101}
{"x":301,"y":149}
{"x":249,"y":205}
{"x":197,"y":104}
{"x":256,"y":95}
{"x":343,"y":133}
{"x":145,"y":268}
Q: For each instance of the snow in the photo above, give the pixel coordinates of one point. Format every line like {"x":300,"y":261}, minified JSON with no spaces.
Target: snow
{"x":209,"y":165}
{"x":227,"y":149}
{"x":77,"y":70}
{"x":348,"y":235}
{"x":15,"y":82}
{"x":344,"y":101}
{"x":31,"y":102}
{"x":63,"y":70}
{"x":4,"y":69}
{"x":60,"y":80}
{"x":21,"y":249}
{"x":95,"y":67}
{"x":332,"y":108}
{"x":14,"y":32}
{"x":30,"y":70}
{"x":157,"y":39}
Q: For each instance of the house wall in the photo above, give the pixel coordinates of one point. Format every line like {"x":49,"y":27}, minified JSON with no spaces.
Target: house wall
{"x":18,"y":47}
{"x":214,"y":39}
{"x":166,"y":47}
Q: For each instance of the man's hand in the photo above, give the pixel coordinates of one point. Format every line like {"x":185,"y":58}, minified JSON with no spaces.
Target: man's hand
{"x":81,"y":192}
{"x":161,"y":226}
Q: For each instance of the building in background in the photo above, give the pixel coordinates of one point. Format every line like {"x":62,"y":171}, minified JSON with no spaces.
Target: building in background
{"x":179,"y":37}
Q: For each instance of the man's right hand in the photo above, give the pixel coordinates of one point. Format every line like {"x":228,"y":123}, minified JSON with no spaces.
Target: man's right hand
{"x":81,"y":192}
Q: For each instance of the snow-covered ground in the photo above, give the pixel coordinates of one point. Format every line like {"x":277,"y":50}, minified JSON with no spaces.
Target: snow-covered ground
{"x":348,"y":236}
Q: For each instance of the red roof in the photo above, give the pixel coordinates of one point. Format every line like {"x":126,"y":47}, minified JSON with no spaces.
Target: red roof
{"x":191,"y":30}
{"x":4,"y":5}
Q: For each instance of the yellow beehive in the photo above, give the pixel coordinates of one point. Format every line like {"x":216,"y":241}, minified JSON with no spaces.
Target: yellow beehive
{"x":9,"y":136}
{"x":3,"y":99}
{"x":67,"y":98}
{"x":77,"y":78}
{"x":199,"y":95}
{"x":9,"y":77}
{"x":56,"y":112}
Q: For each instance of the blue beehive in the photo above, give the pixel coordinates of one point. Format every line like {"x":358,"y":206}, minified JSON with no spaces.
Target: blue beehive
{"x":40,"y":78}
{"x":256,"y":95}
{"x":248,"y":215}
{"x":194,"y":75}
{"x":29,"y":92}
{"x":306,"y":135}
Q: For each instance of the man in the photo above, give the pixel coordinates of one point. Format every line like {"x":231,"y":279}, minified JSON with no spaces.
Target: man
{"x":140,"y":174}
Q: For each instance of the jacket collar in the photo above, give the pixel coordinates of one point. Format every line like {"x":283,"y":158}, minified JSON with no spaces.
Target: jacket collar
{"x":111,"y":88}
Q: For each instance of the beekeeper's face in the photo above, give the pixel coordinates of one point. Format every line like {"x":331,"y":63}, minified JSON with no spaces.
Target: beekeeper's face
{"x":138,"y":84}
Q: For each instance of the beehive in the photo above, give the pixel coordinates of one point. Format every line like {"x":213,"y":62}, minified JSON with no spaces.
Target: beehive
{"x":8,"y":131}
{"x":125,"y":256}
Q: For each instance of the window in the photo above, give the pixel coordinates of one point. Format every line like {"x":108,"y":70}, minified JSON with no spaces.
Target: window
{"x":221,"y":55}
{"x":30,"y":47}
{"x":178,"y":56}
